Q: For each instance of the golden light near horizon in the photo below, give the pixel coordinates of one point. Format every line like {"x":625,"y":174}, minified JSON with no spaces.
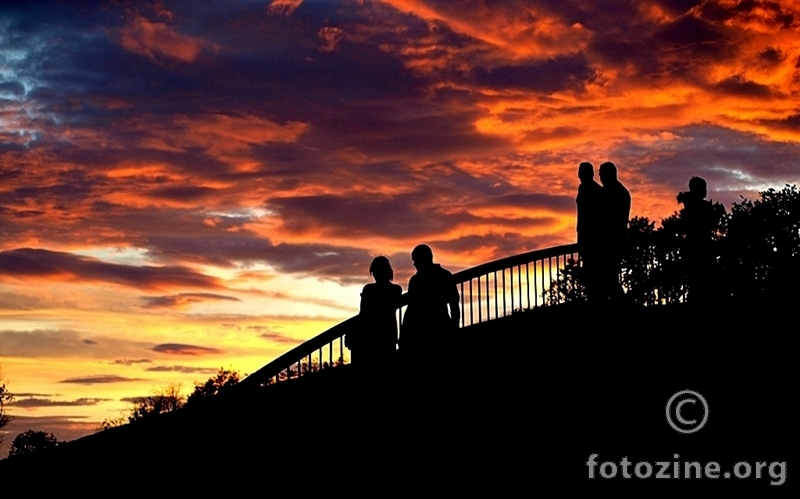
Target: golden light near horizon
{"x":219,"y":177}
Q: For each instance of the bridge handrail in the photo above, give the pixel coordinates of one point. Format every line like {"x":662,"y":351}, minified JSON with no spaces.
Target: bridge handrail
{"x":301,"y":356}
{"x":304,"y":351}
{"x":513,"y":261}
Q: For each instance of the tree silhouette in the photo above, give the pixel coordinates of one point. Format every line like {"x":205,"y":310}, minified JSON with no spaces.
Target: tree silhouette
{"x":5,"y":398}
{"x":760,"y":250}
{"x":568,"y":286}
{"x":30,"y":442}
{"x":756,"y":249}
{"x":167,"y":399}
{"x":213,"y":386}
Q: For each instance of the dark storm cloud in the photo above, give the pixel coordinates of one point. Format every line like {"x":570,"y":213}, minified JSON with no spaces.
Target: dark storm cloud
{"x":676,"y":49}
{"x":28,"y":262}
{"x":772,"y":56}
{"x":69,"y":187}
{"x":182,"y":349}
{"x":737,"y":85}
{"x":11,"y":89}
{"x":181,"y":193}
{"x":766,"y":11}
{"x":259,"y":57}
{"x":552,"y":75}
{"x":789,"y":123}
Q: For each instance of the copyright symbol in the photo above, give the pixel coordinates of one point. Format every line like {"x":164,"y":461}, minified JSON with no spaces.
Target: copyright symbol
{"x":687,"y":411}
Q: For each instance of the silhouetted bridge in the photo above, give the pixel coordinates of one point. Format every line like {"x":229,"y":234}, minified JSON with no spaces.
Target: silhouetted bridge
{"x":489,"y":291}
{"x":562,"y":382}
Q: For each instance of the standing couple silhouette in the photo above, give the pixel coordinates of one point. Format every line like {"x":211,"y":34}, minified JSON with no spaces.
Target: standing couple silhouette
{"x":433,"y":312}
{"x":603,"y":213}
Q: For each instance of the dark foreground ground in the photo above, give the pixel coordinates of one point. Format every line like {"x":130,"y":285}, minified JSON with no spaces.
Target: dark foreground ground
{"x":517,"y":408}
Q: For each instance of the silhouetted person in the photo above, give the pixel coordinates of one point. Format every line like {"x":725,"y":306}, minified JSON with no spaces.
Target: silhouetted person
{"x":616,"y":212}
{"x":589,"y":227}
{"x":433,"y":313}
{"x":376,"y":338}
{"x":699,"y":221}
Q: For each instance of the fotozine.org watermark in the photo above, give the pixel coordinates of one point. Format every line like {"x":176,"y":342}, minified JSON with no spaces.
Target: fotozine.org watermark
{"x":675,"y":411}
{"x":690,"y":470}
{"x":687,"y":412}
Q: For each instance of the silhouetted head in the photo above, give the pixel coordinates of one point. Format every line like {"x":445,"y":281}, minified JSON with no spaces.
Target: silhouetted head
{"x":586,"y":171}
{"x":608,"y":172}
{"x":381,"y":269}
{"x":422,"y":256}
{"x":698,"y":187}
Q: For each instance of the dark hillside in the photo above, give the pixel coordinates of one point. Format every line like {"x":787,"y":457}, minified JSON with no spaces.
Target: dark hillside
{"x":523,"y":400}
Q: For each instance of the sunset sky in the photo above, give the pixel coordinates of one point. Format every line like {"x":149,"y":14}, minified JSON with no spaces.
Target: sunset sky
{"x":190,"y":185}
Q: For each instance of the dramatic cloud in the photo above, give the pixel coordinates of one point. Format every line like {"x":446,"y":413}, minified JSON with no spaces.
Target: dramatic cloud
{"x":157,"y":40}
{"x":40,"y":263}
{"x":548,"y":76}
{"x":284,"y":7}
{"x":180,"y":349}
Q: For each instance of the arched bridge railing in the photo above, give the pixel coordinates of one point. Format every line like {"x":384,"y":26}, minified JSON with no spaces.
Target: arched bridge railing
{"x":488,"y":291}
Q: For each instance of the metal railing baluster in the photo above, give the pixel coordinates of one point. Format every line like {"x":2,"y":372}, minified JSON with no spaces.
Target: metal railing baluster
{"x":479,"y":300}
{"x":488,"y":301}
{"x":495,"y":295}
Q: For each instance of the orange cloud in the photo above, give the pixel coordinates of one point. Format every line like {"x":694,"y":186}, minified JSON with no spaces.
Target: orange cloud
{"x":226,"y":137}
{"x":518,"y":32}
{"x":284,"y":7}
{"x":330,"y":37}
{"x":157,"y":40}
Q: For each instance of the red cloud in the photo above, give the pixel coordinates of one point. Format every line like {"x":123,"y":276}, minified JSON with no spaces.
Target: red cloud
{"x":283,"y":7}
{"x":154,"y":40}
